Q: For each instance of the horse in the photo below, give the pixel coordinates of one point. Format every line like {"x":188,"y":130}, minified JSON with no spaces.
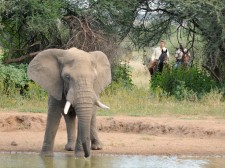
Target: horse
{"x":186,"y":58}
{"x":183,"y":57}
{"x":158,"y":64}
{"x":163,"y":58}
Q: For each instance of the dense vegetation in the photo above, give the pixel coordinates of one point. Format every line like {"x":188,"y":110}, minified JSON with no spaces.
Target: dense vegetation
{"x":190,"y":84}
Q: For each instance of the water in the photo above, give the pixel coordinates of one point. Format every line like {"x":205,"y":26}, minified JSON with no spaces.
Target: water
{"x":59,"y":160}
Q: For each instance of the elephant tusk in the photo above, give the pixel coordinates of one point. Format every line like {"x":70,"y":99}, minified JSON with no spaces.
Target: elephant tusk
{"x":102,"y":105}
{"x":67,"y":107}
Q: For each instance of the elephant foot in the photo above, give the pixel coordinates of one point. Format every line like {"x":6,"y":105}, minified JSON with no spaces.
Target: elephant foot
{"x":96,"y":145}
{"x":70,"y":146}
{"x":80,"y":149}
{"x":46,"y":150}
{"x":46,"y":153}
{"x":79,"y":153}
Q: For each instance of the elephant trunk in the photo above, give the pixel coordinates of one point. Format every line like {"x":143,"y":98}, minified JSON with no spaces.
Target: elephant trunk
{"x":83,"y":102}
{"x":84,"y":109}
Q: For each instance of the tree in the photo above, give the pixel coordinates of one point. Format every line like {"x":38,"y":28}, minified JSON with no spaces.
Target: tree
{"x":28,"y":26}
{"x":31,"y":26}
{"x":157,"y":18}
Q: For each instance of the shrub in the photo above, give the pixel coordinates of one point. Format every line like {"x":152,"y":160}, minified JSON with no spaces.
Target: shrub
{"x":14,"y":82}
{"x":122,"y":75}
{"x":182,"y":83}
{"x":121,"y":79}
{"x":35,"y":91}
{"x":13,"y":79}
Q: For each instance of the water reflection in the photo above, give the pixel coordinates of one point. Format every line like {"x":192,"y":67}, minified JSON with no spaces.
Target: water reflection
{"x":59,"y":160}
{"x":216,"y":162}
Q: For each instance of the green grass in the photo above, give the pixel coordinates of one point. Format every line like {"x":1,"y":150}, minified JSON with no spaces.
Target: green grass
{"x":21,"y":104}
{"x":140,"y":102}
{"x":133,"y":102}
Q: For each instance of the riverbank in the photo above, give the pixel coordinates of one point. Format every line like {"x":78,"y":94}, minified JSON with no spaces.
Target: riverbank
{"x":163,"y":135}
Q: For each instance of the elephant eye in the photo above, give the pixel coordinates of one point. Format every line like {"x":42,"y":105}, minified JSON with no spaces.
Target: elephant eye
{"x":67,"y":77}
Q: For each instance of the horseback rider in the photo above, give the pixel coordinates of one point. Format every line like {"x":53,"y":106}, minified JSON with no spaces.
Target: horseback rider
{"x":156,"y":55}
{"x":179,"y":55}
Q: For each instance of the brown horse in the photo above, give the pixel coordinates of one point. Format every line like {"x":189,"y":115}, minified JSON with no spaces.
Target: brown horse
{"x":186,"y":58}
{"x":183,"y":57}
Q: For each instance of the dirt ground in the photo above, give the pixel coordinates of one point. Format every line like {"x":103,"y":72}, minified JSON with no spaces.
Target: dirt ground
{"x":122,"y":135}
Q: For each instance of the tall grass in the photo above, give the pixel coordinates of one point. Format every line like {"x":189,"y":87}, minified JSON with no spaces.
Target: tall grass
{"x":34,"y":100}
{"x":141,"y":102}
{"x":22,"y":104}
{"x":131,"y":102}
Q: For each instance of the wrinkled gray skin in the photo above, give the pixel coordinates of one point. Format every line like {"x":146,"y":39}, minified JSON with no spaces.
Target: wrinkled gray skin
{"x":77,"y":77}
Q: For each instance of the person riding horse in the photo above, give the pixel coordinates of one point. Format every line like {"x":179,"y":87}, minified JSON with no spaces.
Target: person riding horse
{"x":159,"y":57}
{"x":182,"y":56}
{"x":163,"y":58}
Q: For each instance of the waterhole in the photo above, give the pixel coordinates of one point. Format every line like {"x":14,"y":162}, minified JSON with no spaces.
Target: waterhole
{"x":59,"y":160}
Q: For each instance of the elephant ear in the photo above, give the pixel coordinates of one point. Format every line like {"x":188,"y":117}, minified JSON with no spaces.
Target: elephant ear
{"x":44,"y":69}
{"x":103,"y":71}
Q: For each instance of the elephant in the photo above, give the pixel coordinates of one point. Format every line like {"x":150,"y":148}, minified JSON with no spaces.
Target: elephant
{"x":73,"y":79}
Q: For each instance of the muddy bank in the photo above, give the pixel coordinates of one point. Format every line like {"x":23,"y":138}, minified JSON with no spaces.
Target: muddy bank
{"x":162,"y":126}
{"x":122,"y":134}
{"x":137,"y":125}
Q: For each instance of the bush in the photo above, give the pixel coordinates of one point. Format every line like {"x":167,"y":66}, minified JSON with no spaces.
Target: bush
{"x":189,"y":84}
{"x":121,"y":79}
{"x":13,"y":79}
{"x":35,"y":91}
{"x":121,"y":75}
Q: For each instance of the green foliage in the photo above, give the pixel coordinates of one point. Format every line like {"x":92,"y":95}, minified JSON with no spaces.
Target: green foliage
{"x":35,"y":92}
{"x":13,"y":79}
{"x":116,"y":16}
{"x":121,"y":75}
{"x":14,"y":82}
{"x":189,"y":84}
{"x":28,"y":26}
{"x":191,"y":21}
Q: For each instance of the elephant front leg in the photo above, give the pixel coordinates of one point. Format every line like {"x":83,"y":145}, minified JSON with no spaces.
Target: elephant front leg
{"x":95,"y":142}
{"x":53,"y":120}
{"x":70,"y":126}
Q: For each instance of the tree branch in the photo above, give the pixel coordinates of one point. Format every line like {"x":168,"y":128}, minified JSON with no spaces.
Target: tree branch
{"x":12,"y":60}
{"x":212,"y":73}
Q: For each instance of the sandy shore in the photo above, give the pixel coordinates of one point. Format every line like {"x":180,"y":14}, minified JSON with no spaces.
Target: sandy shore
{"x":122,"y":135}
